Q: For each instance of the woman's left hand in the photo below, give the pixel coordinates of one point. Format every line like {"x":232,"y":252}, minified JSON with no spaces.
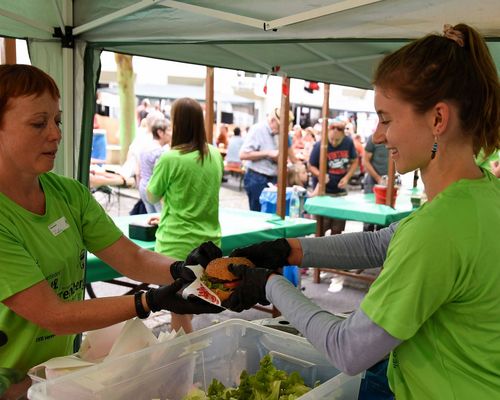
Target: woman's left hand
{"x":251,"y":290}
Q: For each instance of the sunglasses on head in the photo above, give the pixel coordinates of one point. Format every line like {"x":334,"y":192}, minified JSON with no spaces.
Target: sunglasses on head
{"x":338,"y":128}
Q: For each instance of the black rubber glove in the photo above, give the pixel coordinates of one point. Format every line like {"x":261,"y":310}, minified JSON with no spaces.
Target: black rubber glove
{"x":168,"y":298}
{"x":252,"y":288}
{"x":202,"y":255}
{"x":271,"y":254}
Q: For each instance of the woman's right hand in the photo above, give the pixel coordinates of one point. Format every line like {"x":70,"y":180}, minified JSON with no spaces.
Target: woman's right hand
{"x":201,"y":255}
{"x":154,"y":221}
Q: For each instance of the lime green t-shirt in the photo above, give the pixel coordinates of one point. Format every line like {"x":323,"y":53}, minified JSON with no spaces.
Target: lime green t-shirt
{"x":190,"y":192}
{"x":439,"y":293}
{"x":49,"y":247}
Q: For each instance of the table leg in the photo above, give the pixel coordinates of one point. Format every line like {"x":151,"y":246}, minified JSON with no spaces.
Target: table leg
{"x":320,"y":221}
{"x":316,"y":273}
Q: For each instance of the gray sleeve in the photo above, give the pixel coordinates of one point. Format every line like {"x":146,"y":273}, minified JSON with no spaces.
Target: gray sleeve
{"x":348,"y":250}
{"x":352,"y":345}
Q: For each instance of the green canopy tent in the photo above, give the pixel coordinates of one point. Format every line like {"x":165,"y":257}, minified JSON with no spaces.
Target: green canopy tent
{"x":322,"y":40}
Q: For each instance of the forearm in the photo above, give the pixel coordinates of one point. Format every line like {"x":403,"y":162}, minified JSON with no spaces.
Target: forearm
{"x":352,"y":168}
{"x":295,"y":257}
{"x":369,"y":168}
{"x":347,"y":251}
{"x":137,"y":263}
{"x":352,"y":345}
{"x":314,"y":170}
{"x":81,"y":316}
{"x":40,"y":305}
{"x":254,"y":155}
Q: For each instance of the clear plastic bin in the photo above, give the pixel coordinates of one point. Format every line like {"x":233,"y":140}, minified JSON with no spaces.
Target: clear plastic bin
{"x":168,"y":370}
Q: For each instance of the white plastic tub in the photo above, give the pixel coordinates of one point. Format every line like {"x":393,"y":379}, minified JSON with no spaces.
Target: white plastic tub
{"x":168,"y":370}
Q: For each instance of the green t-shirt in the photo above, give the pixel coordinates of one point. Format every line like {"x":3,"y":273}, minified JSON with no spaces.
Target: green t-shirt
{"x":439,"y":293}
{"x":48,"y":247}
{"x":190,"y":192}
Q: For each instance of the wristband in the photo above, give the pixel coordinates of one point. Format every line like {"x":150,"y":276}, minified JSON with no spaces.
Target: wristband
{"x":139,"y":307}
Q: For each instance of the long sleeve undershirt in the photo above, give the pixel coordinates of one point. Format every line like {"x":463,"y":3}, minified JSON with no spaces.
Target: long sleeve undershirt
{"x":352,"y":345}
{"x":348,"y":250}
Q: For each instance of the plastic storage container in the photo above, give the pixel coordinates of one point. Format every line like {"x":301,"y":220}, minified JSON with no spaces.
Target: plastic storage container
{"x":168,"y":370}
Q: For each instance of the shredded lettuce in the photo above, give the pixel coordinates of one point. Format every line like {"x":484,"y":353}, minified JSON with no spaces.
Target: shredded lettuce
{"x":268,"y":383}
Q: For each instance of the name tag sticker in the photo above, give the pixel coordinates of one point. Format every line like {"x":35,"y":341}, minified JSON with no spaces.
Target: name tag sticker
{"x":59,"y":226}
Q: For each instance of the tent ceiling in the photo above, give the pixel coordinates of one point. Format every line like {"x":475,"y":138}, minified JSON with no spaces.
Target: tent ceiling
{"x":334,"y":41}
{"x":323,"y":40}
{"x":340,"y":47}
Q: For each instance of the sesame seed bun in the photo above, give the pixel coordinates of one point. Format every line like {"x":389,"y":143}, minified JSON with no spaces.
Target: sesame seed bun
{"x":218,"y":268}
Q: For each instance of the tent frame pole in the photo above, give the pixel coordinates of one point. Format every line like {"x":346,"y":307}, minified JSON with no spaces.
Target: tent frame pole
{"x":115,"y":15}
{"x":27,"y":21}
{"x":67,"y":101}
{"x":317,"y":13}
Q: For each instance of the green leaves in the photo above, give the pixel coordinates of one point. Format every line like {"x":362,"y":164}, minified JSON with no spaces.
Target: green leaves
{"x":268,"y":383}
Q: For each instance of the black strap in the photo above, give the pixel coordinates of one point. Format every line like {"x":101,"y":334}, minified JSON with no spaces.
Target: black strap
{"x":139,"y":308}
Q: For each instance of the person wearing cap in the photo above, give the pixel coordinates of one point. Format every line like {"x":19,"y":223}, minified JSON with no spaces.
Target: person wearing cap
{"x":260,"y":151}
{"x":342,"y":161}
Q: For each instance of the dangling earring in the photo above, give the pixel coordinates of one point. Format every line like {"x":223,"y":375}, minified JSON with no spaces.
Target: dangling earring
{"x":434,"y":149}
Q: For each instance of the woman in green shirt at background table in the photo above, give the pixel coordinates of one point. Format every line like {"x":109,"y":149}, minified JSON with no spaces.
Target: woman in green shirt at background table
{"x":187,"y":178}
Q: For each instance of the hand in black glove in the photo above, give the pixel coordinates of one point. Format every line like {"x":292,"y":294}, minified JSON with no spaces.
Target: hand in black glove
{"x":251,"y":290}
{"x":271,"y":254}
{"x":168,"y":298}
{"x":202,"y":255}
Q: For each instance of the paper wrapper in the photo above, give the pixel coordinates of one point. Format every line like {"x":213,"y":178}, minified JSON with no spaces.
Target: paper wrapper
{"x":101,"y":345}
{"x":198,"y":289}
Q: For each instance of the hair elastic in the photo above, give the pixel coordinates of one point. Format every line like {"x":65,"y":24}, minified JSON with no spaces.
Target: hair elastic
{"x":453,"y":34}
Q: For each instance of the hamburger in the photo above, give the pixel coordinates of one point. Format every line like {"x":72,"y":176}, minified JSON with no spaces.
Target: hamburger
{"x":219,"y":279}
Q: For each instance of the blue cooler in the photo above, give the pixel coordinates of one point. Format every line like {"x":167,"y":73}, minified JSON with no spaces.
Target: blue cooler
{"x":268,"y":199}
{"x":99,"y":142}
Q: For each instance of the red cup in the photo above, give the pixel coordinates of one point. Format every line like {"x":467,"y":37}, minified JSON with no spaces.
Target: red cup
{"x":381,"y":194}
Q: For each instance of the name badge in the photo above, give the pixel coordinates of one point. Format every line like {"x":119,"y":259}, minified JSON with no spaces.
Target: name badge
{"x":59,"y":226}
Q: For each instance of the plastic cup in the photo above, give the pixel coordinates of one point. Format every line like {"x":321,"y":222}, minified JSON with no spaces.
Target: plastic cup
{"x":381,"y":194}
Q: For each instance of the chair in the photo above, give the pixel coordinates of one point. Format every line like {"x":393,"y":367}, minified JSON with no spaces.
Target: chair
{"x":236,"y":170}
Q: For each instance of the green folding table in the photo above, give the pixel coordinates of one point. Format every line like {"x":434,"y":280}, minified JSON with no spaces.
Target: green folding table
{"x":239,"y":228}
{"x":358,"y":207}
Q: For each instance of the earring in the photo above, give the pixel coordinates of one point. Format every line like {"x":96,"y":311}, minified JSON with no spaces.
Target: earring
{"x":434,"y":149}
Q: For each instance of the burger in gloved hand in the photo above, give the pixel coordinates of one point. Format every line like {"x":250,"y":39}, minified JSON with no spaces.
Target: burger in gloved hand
{"x":219,"y":279}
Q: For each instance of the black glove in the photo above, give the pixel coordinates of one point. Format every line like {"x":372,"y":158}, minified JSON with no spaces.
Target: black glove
{"x":271,"y":254}
{"x":202,"y":255}
{"x":251,"y":290}
{"x":168,"y":298}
